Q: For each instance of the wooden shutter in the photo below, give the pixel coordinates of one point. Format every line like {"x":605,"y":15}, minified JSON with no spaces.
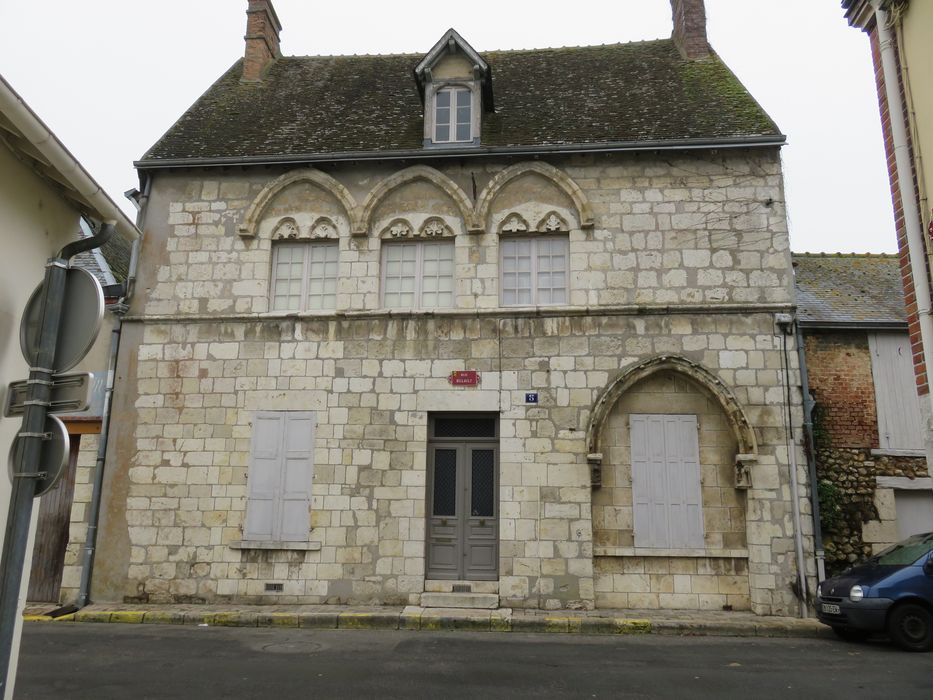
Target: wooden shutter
{"x":668,"y":509}
{"x":892,"y":368}
{"x":280,"y":474}
{"x":298,"y":463}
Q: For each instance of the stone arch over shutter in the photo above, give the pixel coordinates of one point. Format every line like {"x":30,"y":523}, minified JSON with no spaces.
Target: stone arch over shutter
{"x":413,"y":174}
{"x":555,"y":175}
{"x":744,"y":432}
{"x":250,"y":226}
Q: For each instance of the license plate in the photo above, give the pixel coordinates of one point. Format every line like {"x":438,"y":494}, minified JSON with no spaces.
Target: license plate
{"x":830,"y":609}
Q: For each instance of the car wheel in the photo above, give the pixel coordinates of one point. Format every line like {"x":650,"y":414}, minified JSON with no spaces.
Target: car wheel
{"x":849,"y":634}
{"x":911,"y":627}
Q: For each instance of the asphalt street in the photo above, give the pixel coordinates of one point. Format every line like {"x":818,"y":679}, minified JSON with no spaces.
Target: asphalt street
{"x":61,"y":660}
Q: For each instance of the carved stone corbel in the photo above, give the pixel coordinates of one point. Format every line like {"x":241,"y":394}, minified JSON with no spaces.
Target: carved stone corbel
{"x":743,"y":474}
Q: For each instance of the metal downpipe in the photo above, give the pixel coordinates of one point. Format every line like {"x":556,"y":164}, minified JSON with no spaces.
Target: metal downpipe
{"x":810,"y":450}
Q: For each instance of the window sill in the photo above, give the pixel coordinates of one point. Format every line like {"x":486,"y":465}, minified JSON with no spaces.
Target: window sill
{"x":276,"y":544}
{"x":649,"y":552}
{"x":890,"y":452}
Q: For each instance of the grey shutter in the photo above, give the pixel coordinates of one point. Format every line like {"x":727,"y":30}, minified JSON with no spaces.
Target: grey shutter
{"x":264,"y":475}
{"x":668,"y":510}
{"x":298,"y":464}
{"x":280,"y":474}
{"x":898,"y":407}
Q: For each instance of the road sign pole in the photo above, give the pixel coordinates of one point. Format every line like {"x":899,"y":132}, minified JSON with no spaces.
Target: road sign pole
{"x":16,"y":534}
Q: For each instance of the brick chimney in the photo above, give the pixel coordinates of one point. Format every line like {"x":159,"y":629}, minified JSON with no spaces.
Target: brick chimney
{"x":690,"y":28}
{"x":262,"y":39}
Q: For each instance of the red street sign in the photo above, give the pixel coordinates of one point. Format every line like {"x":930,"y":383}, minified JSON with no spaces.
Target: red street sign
{"x":464,"y":377}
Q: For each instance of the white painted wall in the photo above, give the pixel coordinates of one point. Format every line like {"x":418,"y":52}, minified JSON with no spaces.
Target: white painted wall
{"x":35,"y":222}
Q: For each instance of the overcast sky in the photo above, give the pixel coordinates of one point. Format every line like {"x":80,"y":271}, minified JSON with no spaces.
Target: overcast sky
{"x":110,"y":76}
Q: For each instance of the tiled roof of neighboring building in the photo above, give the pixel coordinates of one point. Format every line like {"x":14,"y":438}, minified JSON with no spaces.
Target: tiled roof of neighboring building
{"x":636,"y":93}
{"x":849,"y":289}
{"x":110,"y":263}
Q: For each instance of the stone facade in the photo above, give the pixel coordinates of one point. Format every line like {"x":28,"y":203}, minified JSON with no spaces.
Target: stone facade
{"x":682,"y":257}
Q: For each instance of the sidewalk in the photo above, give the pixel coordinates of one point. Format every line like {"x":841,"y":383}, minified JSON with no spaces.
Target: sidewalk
{"x":670,"y":622}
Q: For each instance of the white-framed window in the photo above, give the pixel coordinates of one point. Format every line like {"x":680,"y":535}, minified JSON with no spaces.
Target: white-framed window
{"x":666,"y":497}
{"x":304,"y":276}
{"x":453,"y":115}
{"x":418,"y":275}
{"x":534,"y":270}
{"x":281,"y":469}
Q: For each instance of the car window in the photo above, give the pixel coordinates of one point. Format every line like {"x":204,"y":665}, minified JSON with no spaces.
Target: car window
{"x":906,"y":552}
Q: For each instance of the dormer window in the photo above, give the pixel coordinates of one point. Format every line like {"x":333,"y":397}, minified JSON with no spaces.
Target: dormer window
{"x":456,"y":86}
{"x":453,"y":115}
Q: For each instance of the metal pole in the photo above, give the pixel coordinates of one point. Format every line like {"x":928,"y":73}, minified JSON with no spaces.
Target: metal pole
{"x":27,"y":465}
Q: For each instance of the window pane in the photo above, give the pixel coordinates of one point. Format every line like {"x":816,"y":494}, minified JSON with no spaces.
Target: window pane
{"x":516,"y":271}
{"x":287,"y":276}
{"x":437,"y":274}
{"x":322,"y":276}
{"x":552,"y":266}
{"x":463,"y":132}
{"x":400,"y":262}
{"x":442,"y":133}
{"x":445,"y":482}
{"x":443,"y":98}
{"x":483,"y":486}
{"x":464,"y":98}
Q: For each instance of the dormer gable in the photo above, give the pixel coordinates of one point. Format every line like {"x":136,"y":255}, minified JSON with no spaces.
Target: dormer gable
{"x":456,"y":88}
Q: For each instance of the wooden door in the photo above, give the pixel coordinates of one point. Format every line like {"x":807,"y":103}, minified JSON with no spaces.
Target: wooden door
{"x":48,"y":554}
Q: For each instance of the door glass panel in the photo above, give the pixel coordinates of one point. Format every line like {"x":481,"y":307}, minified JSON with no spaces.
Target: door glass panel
{"x":465,"y":427}
{"x":445,"y":482}
{"x":483,"y":487}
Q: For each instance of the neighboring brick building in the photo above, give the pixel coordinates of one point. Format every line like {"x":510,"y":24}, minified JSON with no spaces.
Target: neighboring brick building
{"x":462,"y":329}
{"x":898,"y":32}
{"x":874,"y":483}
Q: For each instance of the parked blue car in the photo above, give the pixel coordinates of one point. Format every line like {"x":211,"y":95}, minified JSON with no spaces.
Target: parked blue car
{"x":891,"y":592}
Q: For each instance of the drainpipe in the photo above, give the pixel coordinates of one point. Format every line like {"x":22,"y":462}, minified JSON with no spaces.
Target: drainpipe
{"x":916,"y":246}
{"x":785,"y":324}
{"x":810,"y":449}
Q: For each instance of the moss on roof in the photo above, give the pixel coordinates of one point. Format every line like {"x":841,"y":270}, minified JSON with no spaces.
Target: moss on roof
{"x":849,"y":288}
{"x":620,"y":93}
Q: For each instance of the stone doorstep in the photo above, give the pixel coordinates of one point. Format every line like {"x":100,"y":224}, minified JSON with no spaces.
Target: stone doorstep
{"x":475,"y":601}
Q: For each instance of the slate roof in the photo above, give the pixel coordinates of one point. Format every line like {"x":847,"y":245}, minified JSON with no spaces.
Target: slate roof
{"x":849,"y":290}
{"x":335,"y":107}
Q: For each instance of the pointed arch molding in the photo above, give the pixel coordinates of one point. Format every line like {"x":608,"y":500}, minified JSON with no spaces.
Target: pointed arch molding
{"x":555,"y":175}
{"x":250,"y":226}
{"x":735,"y":414}
{"x":413,"y":174}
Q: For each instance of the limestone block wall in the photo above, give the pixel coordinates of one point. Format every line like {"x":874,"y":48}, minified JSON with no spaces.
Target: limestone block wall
{"x":681,"y":254}
{"x":177,"y":479}
{"x":630,"y":577}
{"x":77,"y":526}
{"x":684,"y":230}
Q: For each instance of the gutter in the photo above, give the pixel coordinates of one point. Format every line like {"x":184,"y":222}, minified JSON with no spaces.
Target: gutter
{"x":854,"y":325}
{"x":474,"y":152}
{"x":63,"y":162}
